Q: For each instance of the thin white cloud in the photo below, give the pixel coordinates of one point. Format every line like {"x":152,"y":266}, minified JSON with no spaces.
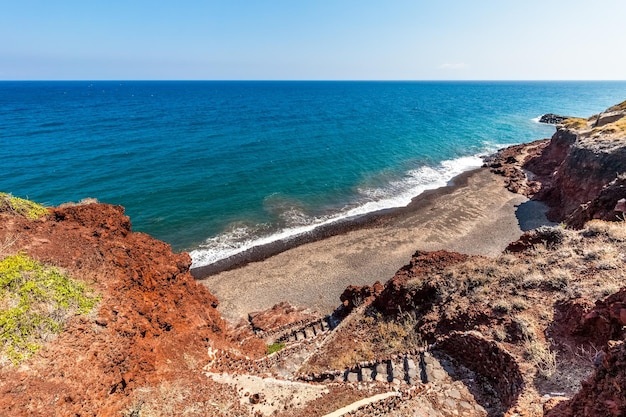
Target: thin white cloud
{"x":454,"y":67}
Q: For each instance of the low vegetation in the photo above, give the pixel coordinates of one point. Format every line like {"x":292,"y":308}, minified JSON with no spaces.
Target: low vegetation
{"x":617,"y":107}
{"x":511,"y":299}
{"x":575,"y":123}
{"x":617,"y":127}
{"x":275,"y":347}
{"x":542,"y":357}
{"x":35,"y":302}
{"x":22,"y":207}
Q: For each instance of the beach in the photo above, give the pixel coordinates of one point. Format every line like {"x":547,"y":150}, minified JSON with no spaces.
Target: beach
{"x":474,"y":215}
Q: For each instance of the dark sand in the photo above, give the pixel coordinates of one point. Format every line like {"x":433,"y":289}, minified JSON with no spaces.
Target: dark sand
{"x":476,"y":215}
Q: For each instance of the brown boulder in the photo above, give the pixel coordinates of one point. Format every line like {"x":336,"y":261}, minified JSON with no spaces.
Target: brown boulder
{"x":280,"y":315}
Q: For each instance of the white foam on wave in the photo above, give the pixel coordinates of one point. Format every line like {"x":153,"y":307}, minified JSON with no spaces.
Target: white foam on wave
{"x":397,"y":194}
{"x":536,"y":119}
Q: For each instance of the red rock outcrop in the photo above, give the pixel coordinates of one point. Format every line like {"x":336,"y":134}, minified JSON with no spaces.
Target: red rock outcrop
{"x":397,"y":296}
{"x":278,"y":316}
{"x":579,"y":173}
{"x":509,"y":163}
{"x":354,"y":296}
{"x":153,"y":321}
{"x":607,"y":320}
{"x":603,"y":206}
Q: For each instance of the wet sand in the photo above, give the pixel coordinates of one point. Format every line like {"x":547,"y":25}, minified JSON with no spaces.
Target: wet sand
{"x":476,"y":215}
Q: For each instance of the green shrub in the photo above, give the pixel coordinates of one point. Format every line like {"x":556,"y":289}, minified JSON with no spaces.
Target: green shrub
{"x":20,"y":206}
{"x":275,"y":347}
{"x":35,"y":302}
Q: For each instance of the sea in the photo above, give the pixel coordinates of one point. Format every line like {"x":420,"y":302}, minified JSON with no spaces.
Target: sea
{"x":218,"y":167}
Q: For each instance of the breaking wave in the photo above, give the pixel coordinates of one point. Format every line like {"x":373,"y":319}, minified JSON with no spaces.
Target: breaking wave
{"x":399,"y":193}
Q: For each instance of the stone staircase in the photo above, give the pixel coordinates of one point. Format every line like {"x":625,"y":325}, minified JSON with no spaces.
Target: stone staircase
{"x":411,"y":368}
{"x":301,"y":341}
{"x":299,"y":331}
{"x":309,"y":330}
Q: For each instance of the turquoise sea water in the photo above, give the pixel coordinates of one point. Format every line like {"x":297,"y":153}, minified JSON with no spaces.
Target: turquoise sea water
{"x":216,"y":167}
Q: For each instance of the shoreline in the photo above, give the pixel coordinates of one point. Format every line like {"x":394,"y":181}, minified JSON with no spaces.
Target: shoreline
{"x":342,"y":226}
{"x":475,"y":215}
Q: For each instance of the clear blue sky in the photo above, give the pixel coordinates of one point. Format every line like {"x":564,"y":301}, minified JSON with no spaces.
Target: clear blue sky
{"x":313,"y":39}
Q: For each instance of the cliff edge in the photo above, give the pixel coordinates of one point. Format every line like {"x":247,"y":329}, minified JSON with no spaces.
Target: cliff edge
{"x":580,"y":172}
{"x":147,"y":337}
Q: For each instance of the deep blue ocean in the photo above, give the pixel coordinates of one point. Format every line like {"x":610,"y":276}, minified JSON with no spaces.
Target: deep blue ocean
{"x":216,"y":167}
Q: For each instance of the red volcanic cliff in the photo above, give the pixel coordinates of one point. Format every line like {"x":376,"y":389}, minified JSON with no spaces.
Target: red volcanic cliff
{"x":154,"y":323}
{"x":580,"y":173}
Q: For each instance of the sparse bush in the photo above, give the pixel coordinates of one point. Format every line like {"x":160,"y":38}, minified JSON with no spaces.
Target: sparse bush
{"x":84,"y":201}
{"x":595,"y":228}
{"x":608,"y":289}
{"x":615,"y":231}
{"x":22,"y":207}
{"x":499,"y":334}
{"x":606,"y":264}
{"x":399,"y":334}
{"x":564,"y":253}
{"x":533,"y":280}
{"x":275,"y":347}
{"x":551,"y":236}
{"x":501,"y":306}
{"x":523,"y":328}
{"x":508,"y":259}
{"x":558,"y":279}
{"x":35,"y":302}
{"x":519,"y":304}
{"x":515,"y":274}
{"x":541,"y":356}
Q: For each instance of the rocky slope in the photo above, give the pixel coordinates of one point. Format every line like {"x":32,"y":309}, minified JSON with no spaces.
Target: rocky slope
{"x":517,"y":330}
{"x":151,"y":331}
{"x":580,"y":172}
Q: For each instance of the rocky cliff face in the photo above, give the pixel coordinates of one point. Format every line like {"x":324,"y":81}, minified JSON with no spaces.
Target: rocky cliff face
{"x":579,"y":173}
{"x":154,"y":324}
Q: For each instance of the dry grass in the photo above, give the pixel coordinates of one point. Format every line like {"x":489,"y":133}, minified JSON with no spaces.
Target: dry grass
{"x":575,"y":123}
{"x":617,"y":127}
{"x":358,"y":351}
{"x":614,"y":231}
{"x":7,"y":244}
{"x":543,"y":358}
{"x":82,"y":202}
{"x":396,"y":336}
{"x":617,"y":107}
{"x":168,"y":399}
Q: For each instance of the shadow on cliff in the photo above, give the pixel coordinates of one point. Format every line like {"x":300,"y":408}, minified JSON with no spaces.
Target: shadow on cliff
{"x":532,"y":214}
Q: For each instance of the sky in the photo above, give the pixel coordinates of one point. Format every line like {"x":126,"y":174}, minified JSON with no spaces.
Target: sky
{"x":313,"y":40}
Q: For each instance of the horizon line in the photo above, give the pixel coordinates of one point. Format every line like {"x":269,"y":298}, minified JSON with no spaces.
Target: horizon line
{"x":303,"y":80}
